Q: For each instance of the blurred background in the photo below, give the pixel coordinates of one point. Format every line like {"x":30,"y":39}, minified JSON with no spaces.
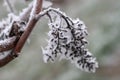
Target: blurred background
{"x":102,"y":17}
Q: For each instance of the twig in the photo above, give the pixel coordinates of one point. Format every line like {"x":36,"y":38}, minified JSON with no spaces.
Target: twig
{"x":6,"y":60}
{"x":10,"y":6}
{"x":7,"y":44}
{"x":24,"y":16}
{"x":63,"y":15}
{"x":31,"y":24}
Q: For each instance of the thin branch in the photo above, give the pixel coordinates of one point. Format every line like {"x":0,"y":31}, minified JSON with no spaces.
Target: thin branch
{"x":10,"y":6}
{"x":7,"y":44}
{"x":6,"y":60}
{"x":31,"y":24}
{"x":63,"y":15}
{"x":24,"y":16}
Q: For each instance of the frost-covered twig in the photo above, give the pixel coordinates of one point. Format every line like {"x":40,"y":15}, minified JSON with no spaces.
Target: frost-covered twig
{"x":15,"y":26}
{"x":7,"y":44}
{"x":25,"y":14}
{"x":47,"y":11}
{"x":10,"y":31}
{"x":6,"y":59}
{"x":37,"y":6}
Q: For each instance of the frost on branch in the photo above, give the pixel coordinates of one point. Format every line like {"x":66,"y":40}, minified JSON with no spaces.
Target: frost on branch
{"x":66,"y":36}
{"x":67,"y":41}
{"x":10,"y":29}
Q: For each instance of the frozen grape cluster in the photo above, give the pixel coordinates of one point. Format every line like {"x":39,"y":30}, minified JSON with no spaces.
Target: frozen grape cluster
{"x":67,"y":41}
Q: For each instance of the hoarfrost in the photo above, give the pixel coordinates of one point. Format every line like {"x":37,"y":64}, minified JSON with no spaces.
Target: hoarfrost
{"x":67,"y":41}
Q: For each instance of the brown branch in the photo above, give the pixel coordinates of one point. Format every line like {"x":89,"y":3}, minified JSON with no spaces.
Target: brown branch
{"x":31,"y":24}
{"x":7,"y":44}
{"x":6,"y":60}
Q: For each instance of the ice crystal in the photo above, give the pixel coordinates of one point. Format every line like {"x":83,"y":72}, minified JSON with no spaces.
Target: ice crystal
{"x":67,"y":41}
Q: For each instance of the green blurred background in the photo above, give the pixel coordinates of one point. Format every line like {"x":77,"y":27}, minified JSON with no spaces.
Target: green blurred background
{"x":102,"y":17}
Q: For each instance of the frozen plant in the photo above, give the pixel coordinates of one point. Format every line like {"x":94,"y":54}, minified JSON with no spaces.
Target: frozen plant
{"x":66,"y":36}
{"x":67,"y":40}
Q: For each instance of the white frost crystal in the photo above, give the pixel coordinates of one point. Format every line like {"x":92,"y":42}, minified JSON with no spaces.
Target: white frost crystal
{"x":67,"y":41}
